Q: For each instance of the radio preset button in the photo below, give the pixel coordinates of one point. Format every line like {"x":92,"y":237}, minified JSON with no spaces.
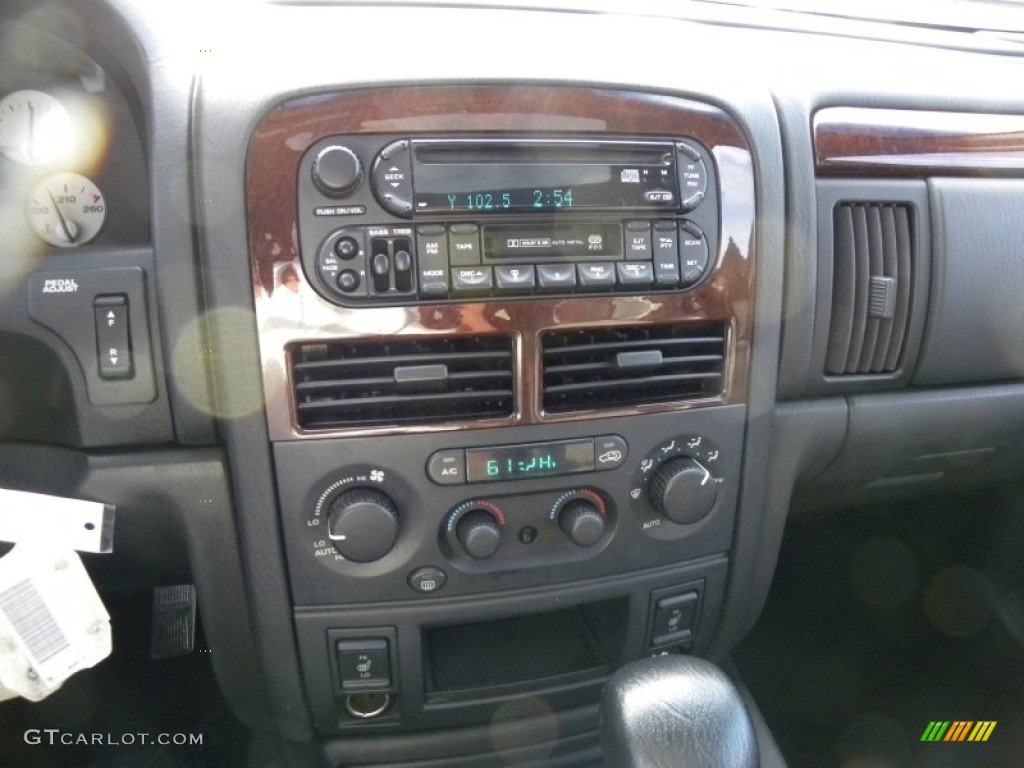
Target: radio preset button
{"x":693,"y":253}
{"x":472,"y":281}
{"x":391,"y":178}
{"x":432,"y":257}
{"x":633,"y":273}
{"x":666,"y":253}
{"x":556,"y":278}
{"x":638,"y":240}
{"x":597,"y":275}
{"x":464,"y":244}
{"x":514,"y":279}
{"x":693,"y":176}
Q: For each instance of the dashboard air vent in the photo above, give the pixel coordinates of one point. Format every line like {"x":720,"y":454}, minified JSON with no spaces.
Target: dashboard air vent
{"x":872,"y":277}
{"x":406,"y":381}
{"x":615,"y":367}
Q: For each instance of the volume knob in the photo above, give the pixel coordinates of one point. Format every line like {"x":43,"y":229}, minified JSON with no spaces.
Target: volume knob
{"x":683,"y":490}
{"x":363,"y":524}
{"x":337,"y":171}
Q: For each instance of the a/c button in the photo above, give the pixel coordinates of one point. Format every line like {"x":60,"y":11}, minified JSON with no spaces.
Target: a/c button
{"x":447,"y":467}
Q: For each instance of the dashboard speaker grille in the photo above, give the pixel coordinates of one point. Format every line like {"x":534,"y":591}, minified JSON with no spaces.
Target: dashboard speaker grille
{"x":592,"y":368}
{"x":406,"y":381}
{"x":872,"y":277}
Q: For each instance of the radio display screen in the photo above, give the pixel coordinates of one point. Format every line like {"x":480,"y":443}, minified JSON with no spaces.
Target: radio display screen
{"x":512,"y":462}
{"x":517,"y":177}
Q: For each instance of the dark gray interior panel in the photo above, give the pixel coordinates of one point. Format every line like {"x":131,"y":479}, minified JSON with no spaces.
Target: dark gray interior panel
{"x":976,"y":317}
{"x":899,"y":446}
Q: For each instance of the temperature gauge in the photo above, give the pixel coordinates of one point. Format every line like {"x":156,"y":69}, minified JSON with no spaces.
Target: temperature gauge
{"x":66,"y":210}
{"x":35,"y":128}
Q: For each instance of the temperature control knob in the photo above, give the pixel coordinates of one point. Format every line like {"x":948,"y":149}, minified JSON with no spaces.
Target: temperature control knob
{"x":363,"y":524}
{"x":683,"y":490}
{"x":582,"y":522}
{"x":337,"y":171}
{"x":479,"y":533}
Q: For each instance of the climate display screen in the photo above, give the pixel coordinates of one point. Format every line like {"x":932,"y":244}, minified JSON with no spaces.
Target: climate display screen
{"x":512,"y":462}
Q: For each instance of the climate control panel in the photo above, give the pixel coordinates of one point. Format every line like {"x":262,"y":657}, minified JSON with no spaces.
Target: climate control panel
{"x":408,"y":517}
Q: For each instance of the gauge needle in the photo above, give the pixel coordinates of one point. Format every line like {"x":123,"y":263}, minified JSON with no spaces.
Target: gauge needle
{"x":31,"y":132}
{"x":63,"y":223}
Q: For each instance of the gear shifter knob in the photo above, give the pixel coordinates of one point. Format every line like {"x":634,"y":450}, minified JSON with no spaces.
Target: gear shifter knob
{"x":675,"y":712}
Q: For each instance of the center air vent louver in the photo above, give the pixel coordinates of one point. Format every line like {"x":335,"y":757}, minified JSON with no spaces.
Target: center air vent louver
{"x":615,"y":367}
{"x":872,"y":280}
{"x":408,"y":381}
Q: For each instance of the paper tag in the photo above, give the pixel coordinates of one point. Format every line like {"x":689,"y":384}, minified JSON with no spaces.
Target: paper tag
{"x":52,"y":621}
{"x":87,"y":526}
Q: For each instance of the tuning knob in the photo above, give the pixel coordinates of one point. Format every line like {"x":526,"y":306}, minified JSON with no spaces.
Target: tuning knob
{"x":363,"y":524}
{"x":337,"y":171}
{"x":479,"y":533}
{"x":582,"y":522}
{"x":683,"y":490}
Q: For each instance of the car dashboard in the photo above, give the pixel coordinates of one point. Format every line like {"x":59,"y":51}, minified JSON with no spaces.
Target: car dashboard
{"x":462,"y":354}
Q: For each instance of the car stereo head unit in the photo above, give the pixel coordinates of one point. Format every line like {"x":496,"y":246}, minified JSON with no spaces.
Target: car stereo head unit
{"x":398,"y":220}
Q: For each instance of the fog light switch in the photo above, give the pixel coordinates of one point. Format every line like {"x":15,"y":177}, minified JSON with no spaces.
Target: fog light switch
{"x":364,"y":664}
{"x":113,"y":336}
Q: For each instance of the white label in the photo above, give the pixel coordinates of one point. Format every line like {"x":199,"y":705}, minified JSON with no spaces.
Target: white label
{"x":60,"y":286}
{"x":52,"y":621}
{"x":87,"y":526}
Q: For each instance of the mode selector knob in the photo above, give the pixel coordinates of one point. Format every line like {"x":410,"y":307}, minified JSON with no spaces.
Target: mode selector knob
{"x":582,"y":522}
{"x":363,"y":524}
{"x":479,"y":533}
{"x":337,"y":170}
{"x":683,"y":490}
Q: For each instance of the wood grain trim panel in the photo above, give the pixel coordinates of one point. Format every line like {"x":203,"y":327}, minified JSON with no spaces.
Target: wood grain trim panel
{"x":271,"y":182}
{"x":914,"y":144}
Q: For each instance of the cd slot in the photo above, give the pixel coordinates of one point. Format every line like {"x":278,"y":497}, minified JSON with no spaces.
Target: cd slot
{"x":525,"y":151}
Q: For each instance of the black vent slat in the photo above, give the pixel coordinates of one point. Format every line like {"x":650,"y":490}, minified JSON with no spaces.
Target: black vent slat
{"x":843,"y":281}
{"x":873,"y":253}
{"x":390,"y":362}
{"x":584,"y":370}
{"x":862,"y":274}
{"x":303,"y":387}
{"x":617,"y":383}
{"x":666,"y":362}
{"x":354,"y":384}
{"x":905,"y":251}
{"x":890,"y":267}
{"x":875,"y":267}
